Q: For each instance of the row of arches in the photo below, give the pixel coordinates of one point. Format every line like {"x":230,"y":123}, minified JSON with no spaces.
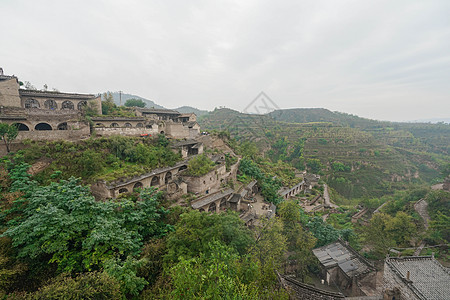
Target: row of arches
{"x":126,"y":125}
{"x":41,"y":126}
{"x":213,"y":206}
{"x":51,"y":104}
{"x":154,"y":182}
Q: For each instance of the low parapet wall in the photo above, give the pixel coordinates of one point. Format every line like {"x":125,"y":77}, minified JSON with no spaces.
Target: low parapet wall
{"x":53,"y":135}
{"x":105,"y":131}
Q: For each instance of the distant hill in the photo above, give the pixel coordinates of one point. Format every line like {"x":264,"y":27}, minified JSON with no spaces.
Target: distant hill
{"x":433,"y":120}
{"x":360,"y":157}
{"x":150,"y":104}
{"x":125,"y":97}
{"x":189,"y":109}
{"x":413,"y":136}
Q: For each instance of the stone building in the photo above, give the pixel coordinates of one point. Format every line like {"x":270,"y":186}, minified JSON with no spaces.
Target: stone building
{"x":45,"y":115}
{"x":171,"y":122}
{"x":302,"y":291}
{"x":342,"y":266}
{"x":415,"y":278}
{"x":213,"y":180}
{"x":60,"y":116}
{"x":165,"y":179}
{"x":188,"y":147}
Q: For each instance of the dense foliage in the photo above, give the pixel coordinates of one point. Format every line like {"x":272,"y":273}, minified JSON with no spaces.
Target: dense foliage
{"x":105,"y":158}
{"x":200,"y":165}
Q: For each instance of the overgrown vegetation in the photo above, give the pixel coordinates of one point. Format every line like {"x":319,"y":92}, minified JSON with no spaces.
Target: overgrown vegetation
{"x":105,"y":158}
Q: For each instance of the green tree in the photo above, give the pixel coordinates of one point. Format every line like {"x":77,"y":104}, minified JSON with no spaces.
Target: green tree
{"x":93,"y":285}
{"x":64,"y":222}
{"x":314,"y":165}
{"x":300,"y":242}
{"x":401,"y":228}
{"x":108,"y":105}
{"x":377,"y":234}
{"x":135,"y":103}
{"x":269,"y":249}
{"x":196,"y":230}
{"x":215,"y":274}
{"x":8,"y":133}
{"x":200,"y":165}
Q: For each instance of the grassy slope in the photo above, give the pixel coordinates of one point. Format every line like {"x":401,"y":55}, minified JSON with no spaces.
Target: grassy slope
{"x":378,"y":161}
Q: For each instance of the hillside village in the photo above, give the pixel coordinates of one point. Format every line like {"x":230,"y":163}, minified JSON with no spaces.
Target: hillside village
{"x":343,"y":272}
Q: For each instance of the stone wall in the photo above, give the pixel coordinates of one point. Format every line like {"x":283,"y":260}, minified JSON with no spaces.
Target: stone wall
{"x":209,"y":182}
{"x":106,"y":131}
{"x":392,"y":282}
{"x":9,"y":92}
{"x":212,"y":181}
{"x":52,"y":135}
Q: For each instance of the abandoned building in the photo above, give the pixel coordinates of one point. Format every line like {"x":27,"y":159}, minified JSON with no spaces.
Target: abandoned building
{"x":45,"y":115}
{"x":287,"y":193}
{"x":165,"y":179}
{"x":345,"y":268}
{"x":415,"y":278}
{"x":188,"y":147}
{"x":171,"y":122}
{"x":51,"y":115}
{"x":156,"y":121}
{"x":213,"y":180}
{"x":302,"y":291}
{"x":214,"y":202}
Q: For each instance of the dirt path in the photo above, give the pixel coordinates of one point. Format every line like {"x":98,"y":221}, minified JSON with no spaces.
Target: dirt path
{"x":326,"y":197}
{"x":421,"y":208}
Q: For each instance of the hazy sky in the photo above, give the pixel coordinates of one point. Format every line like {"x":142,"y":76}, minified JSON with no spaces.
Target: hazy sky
{"x":387,"y":60}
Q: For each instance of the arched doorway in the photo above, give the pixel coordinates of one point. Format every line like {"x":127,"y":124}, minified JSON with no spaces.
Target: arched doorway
{"x":128,"y":125}
{"x":168,"y":177}
{"x":223,"y":204}
{"x":114,"y":125}
{"x":139,"y":125}
{"x":82,"y":105}
{"x":138,"y":185}
{"x":32,"y":103}
{"x":67,"y":105}
{"x":62,"y":126}
{"x":201,"y":210}
{"x":155,"y":181}
{"x":43,"y":126}
{"x":123,"y":190}
{"x":50,"y":104}
{"x":162,"y":132}
{"x":22,"y":127}
{"x":183,"y":167}
{"x":212,"y":207}
{"x":99,"y":125}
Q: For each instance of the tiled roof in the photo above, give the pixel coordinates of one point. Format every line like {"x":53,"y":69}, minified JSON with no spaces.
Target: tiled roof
{"x":158,"y":111}
{"x":36,"y":93}
{"x":339,"y":254}
{"x":428,"y":278}
{"x":184,"y":143}
{"x":211,"y":198}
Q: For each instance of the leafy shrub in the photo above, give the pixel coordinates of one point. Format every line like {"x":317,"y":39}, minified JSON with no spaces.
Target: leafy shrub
{"x":200,"y":165}
{"x":93,"y":285}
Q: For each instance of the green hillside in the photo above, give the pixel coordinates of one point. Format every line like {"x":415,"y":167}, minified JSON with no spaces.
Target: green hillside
{"x":355,"y":161}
